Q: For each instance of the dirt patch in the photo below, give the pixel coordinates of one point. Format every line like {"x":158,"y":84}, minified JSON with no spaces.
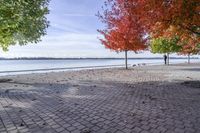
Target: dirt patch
{"x":193,"y":84}
{"x":5,"y":80}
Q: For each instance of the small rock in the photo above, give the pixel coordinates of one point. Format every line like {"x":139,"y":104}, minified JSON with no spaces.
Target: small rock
{"x":86,"y":131}
{"x":152,"y":98}
{"x":7,"y":91}
{"x":186,"y":82}
{"x":76,"y":104}
{"x":5,"y":80}
{"x":34,"y":99}
{"x":75,"y":85}
{"x":132,"y":114}
{"x":22,"y":124}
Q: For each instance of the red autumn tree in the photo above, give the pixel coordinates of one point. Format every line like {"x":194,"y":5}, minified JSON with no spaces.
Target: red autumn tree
{"x":189,"y":50}
{"x":123,"y":31}
{"x":168,"y":18}
{"x":129,"y":20}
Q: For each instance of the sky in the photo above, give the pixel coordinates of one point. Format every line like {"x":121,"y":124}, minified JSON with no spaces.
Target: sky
{"x":72,"y":33}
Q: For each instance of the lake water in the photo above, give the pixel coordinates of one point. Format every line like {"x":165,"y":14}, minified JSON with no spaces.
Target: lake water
{"x":11,"y":67}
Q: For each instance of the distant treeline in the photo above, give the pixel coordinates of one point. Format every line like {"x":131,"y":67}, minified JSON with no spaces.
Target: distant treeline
{"x":46,"y":58}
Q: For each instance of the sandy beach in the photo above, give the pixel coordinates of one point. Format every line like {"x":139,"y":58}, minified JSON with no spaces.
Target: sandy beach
{"x":144,"y":99}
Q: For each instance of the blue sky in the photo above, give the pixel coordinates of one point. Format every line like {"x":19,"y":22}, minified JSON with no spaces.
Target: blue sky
{"x":72,"y":33}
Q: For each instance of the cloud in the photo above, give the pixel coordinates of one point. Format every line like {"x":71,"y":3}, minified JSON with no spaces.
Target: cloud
{"x":79,"y":15}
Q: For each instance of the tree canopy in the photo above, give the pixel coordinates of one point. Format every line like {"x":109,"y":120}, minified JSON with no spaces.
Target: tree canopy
{"x":190,"y":49}
{"x":155,"y":18}
{"x":123,"y":31}
{"x":22,"y":21}
{"x":163,"y":45}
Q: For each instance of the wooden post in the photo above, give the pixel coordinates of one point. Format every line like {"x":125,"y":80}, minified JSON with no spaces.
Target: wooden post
{"x":188,"y":58}
{"x":126,"y":60}
{"x":167,"y":58}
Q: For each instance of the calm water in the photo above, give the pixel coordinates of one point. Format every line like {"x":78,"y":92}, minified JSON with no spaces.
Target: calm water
{"x":10,"y":67}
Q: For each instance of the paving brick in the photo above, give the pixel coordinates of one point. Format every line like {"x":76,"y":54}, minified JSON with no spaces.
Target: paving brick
{"x":121,"y":107}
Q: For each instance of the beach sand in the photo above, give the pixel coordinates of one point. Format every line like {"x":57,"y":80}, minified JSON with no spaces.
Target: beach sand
{"x":141,"y":99}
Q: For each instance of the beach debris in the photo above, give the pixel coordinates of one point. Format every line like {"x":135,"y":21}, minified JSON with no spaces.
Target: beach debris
{"x":150,"y":97}
{"x":22,"y":124}
{"x":20,"y":110}
{"x":34,"y":99}
{"x":186,"y":82}
{"x":5,"y":80}
{"x":163,"y":109}
{"x":75,"y":85}
{"x":76,"y":104}
{"x":86,"y":131}
{"x":6,"y":106}
{"x":193,"y":84}
{"x":132,"y":113}
{"x":7,"y":91}
{"x":59,"y":110}
{"x":189,"y":77}
{"x":130,"y":86}
{"x":134,"y":65}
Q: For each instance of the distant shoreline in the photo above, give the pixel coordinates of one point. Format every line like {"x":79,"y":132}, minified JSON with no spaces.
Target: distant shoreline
{"x":44,"y":58}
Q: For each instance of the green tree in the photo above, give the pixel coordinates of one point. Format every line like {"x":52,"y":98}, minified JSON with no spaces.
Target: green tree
{"x":165,"y":46}
{"x":22,"y":21}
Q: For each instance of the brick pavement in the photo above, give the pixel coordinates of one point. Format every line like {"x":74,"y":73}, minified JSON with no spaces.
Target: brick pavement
{"x":104,"y":107}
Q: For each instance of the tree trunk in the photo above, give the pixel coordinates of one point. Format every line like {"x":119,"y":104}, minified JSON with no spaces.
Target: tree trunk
{"x":167,"y":58}
{"x":126,"y":61}
{"x":188,"y":58}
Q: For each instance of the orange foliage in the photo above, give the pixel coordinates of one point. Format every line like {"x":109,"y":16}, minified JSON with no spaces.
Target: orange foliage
{"x":167,"y":18}
{"x":128,"y":21}
{"x":123,"y":31}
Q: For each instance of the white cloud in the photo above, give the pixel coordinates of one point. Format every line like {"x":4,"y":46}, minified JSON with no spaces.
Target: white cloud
{"x":79,"y":15}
